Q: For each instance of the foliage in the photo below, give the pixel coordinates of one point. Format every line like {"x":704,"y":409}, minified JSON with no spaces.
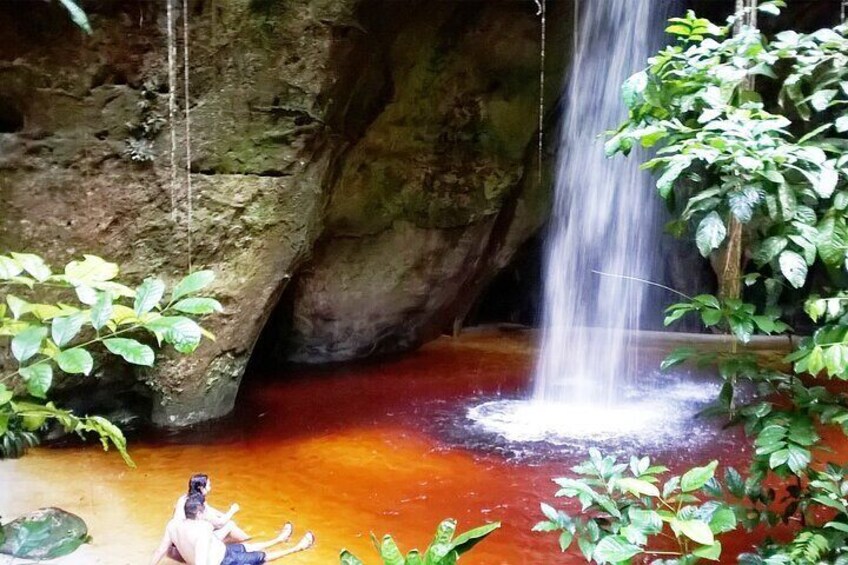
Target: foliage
{"x":623,"y":508}
{"x":772,"y":158}
{"x":445,"y":549}
{"x":90,"y":311}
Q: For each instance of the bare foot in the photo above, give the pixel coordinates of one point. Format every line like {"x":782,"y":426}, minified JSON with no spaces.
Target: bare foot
{"x":307,"y":541}
{"x":285,"y":533}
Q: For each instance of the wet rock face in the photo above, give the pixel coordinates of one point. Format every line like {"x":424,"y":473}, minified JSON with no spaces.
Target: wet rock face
{"x":438,"y":192}
{"x":47,"y":533}
{"x":383,"y":158}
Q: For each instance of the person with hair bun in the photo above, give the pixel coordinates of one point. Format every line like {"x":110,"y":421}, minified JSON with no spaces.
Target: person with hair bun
{"x":194,"y":537}
{"x":224,"y":526}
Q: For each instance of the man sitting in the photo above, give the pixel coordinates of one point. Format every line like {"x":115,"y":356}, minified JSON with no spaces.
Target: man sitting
{"x":198,"y":545}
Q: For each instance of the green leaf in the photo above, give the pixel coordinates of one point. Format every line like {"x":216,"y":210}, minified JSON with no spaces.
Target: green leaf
{"x":9,"y":268}
{"x":38,"y":379}
{"x":27,"y":343}
{"x":65,"y":328}
{"x":131,"y":350}
{"x":637,"y":487}
{"x":695,"y":530}
{"x":193,"y":283}
{"x":842,"y":124}
{"x":832,"y":241}
{"x":679,"y":355}
{"x":75,"y":361}
{"x":794,"y":268}
{"x":466,"y":540}
{"x":347,"y":558}
{"x":710,"y":234}
{"x":614,"y":549}
{"x":711,"y":552}
{"x":101,"y":312}
{"x":6,"y":395}
{"x":181,"y":332}
{"x":77,"y":15}
{"x":91,"y":270}
{"x":17,"y":306}
{"x":413,"y":558}
{"x":798,"y":459}
{"x":769,"y":249}
{"x":198,"y":306}
{"x":148,"y":295}
{"x":633,"y":88}
{"x":697,"y":477}
{"x":565,"y":539}
{"x":390,"y":552}
{"x":34,"y":265}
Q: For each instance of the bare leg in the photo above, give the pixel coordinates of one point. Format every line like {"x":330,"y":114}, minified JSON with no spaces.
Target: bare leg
{"x":284,"y":535}
{"x":307,"y":541}
{"x":232,"y":533}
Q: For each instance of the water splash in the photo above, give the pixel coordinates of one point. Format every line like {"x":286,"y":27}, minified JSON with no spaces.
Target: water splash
{"x":605,"y":216}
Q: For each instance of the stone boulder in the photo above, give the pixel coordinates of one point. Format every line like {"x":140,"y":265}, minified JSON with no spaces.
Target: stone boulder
{"x":47,"y":533}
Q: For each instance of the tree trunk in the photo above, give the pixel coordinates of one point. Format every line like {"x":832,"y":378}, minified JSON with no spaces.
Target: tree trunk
{"x":728,"y":261}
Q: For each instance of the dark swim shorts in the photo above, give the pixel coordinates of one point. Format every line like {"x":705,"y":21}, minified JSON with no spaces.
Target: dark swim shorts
{"x":238,"y":555}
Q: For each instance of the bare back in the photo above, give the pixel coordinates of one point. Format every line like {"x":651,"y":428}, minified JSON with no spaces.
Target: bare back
{"x":191,"y":537}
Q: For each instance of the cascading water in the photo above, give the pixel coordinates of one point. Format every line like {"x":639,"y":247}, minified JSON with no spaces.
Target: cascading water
{"x":604,"y":233}
{"x":604,"y":218}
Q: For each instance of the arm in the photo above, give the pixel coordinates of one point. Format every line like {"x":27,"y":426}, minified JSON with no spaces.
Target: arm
{"x":162,"y":550}
{"x":219,"y":520}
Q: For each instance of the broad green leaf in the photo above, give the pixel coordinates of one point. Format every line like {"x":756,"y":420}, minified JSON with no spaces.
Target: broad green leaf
{"x":413,"y":558}
{"x":832,"y":241}
{"x":198,"y":306}
{"x":637,"y":487}
{"x":710,"y":234}
{"x":5,"y":395}
{"x":679,"y":355}
{"x":34,"y":265}
{"x":695,"y":530}
{"x":181,"y":332}
{"x":192,"y":283}
{"x":17,"y":306}
{"x":27,"y":343}
{"x":9,"y":268}
{"x":794,"y":268}
{"x":798,"y":459}
{"x":842,"y":124}
{"x":614,"y":549}
{"x":92,"y":269}
{"x":565,"y":539}
{"x":101,"y":312}
{"x":148,"y":295}
{"x":38,"y":379}
{"x":123,"y":315}
{"x":769,"y":249}
{"x":65,"y":328}
{"x":633,"y":88}
{"x":131,"y":350}
{"x":466,"y":540}
{"x":711,"y":552}
{"x":723,"y":520}
{"x":75,"y":361}
{"x":697,"y":477}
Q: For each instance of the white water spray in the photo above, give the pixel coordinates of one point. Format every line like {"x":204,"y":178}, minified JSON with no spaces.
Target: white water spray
{"x":604,"y":219}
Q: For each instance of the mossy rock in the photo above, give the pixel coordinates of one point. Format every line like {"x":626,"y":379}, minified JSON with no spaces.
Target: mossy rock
{"x":47,"y":533}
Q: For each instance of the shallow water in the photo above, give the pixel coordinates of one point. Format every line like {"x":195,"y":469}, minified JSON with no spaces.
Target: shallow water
{"x":380,"y":447}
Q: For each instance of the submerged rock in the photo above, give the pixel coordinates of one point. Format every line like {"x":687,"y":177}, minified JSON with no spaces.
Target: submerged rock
{"x":47,"y":533}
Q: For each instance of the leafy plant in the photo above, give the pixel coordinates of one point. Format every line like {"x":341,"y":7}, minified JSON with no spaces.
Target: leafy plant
{"x":90,"y":311}
{"x":445,"y":549}
{"x":755,"y":172}
{"x":623,"y":509}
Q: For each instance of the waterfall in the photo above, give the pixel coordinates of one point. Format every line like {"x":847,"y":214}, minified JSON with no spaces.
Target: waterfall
{"x":605,"y":218}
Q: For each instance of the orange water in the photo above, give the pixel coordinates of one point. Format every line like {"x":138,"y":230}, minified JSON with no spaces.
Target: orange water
{"x":341,"y":452}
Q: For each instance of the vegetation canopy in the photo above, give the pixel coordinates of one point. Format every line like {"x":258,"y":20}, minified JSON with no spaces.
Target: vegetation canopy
{"x":90,"y":313}
{"x":747,"y":130}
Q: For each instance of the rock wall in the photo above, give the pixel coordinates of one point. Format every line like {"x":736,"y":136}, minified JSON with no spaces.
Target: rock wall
{"x":383,"y":158}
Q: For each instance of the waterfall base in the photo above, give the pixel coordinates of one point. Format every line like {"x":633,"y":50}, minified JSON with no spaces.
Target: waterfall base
{"x":660,"y":412}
